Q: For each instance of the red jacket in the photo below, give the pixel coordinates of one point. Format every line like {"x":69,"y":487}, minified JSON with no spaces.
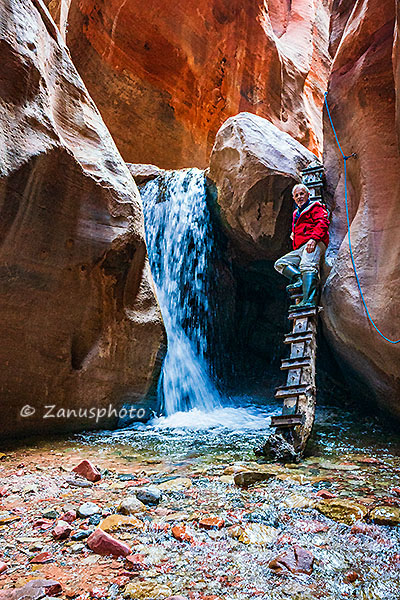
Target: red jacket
{"x":312,"y":224}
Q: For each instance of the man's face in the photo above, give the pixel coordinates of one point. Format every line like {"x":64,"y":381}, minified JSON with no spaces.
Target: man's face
{"x":300,"y":197}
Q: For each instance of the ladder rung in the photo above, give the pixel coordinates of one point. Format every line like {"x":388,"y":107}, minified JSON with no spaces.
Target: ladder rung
{"x":296,"y":294}
{"x":293,"y":338}
{"x":297,"y":363}
{"x":289,"y":391}
{"x":302,"y":314}
{"x":286,"y":420}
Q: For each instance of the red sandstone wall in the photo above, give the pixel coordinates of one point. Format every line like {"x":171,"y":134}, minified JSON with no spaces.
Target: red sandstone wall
{"x":362,"y":98}
{"x":166,"y":75}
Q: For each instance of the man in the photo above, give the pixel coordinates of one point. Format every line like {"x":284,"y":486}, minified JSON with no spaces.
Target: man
{"x":310,"y":239}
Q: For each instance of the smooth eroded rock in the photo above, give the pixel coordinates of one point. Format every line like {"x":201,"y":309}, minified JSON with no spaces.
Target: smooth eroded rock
{"x":254,"y":166}
{"x":80,"y":329}
{"x":102,"y":543}
{"x":87,"y":470}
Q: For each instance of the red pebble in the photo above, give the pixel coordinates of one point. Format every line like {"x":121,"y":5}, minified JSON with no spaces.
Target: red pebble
{"x":43,"y":524}
{"x":135,"y":562}
{"x":181,"y":534}
{"x":3,"y":566}
{"x":102,"y":543}
{"x":325,"y":494}
{"x":396,"y":491}
{"x":62,"y":530}
{"x":69,"y":516}
{"x":3,"y":492}
{"x":42,"y":557}
{"x":351,"y":577}
{"x":211,"y":523}
{"x":87,"y":470}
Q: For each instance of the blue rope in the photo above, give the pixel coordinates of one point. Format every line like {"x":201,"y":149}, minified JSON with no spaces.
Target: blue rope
{"x":345,"y":159}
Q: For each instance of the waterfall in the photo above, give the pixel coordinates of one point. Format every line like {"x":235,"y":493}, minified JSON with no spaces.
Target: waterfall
{"x":180,"y":245}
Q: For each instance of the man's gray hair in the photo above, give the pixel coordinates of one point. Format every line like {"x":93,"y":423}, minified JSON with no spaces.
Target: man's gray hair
{"x":301,"y":186}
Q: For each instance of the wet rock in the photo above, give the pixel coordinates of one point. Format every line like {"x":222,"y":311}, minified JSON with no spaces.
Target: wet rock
{"x":143,"y":173}
{"x":182,"y":533}
{"x":115,"y":521}
{"x":33,"y":590}
{"x":211,"y":523}
{"x":143,"y":590}
{"x":94,"y":519}
{"x":3,"y":566}
{"x":87,"y":470}
{"x":385,"y":515}
{"x":175,"y":485}
{"x":130,"y":505}
{"x":326,"y":494}
{"x":295,"y":560}
{"x":254,"y":533}
{"x":245,"y":479}
{"x":150,"y":496}
{"x":351,"y":577}
{"x":102,"y":543}
{"x":135,"y":562}
{"x":88,"y":509}
{"x":62,"y":530}
{"x":343,"y":511}
{"x":233,"y":469}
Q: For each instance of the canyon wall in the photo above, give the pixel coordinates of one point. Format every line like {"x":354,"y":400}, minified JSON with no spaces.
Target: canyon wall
{"x":166,"y":75}
{"x":363,"y":95}
{"x":80,"y":324}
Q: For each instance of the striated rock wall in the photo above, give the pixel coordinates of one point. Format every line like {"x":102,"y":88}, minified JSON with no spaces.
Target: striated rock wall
{"x":166,"y":75}
{"x":80,"y":324}
{"x":363,"y":93}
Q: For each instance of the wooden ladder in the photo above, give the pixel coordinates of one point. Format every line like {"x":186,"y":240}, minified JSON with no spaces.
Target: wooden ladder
{"x":299,"y":394}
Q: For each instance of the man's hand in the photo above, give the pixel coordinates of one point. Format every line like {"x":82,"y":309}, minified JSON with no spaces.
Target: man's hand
{"x":311,"y":245}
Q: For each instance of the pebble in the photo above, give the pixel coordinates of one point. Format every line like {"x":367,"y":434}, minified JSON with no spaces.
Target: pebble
{"x":81,"y":535}
{"x":69,"y":516}
{"x":296,"y":560}
{"x":115,"y":521}
{"x":343,"y":511}
{"x":3,"y":566}
{"x":211,"y":523}
{"x":141,"y":590}
{"x":76,"y":548}
{"x":130,"y":505}
{"x":102,"y":543}
{"x":182,"y":533}
{"x":50,"y":514}
{"x":62,"y":530}
{"x":254,"y":533}
{"x":88,"y":471}
{"x":175,"y":485}
{"x":246,"y":478}
{"x":385,"y":515}
{"x":150,"y":496}
{"x":88,"y":509}
{"x":135,"y":562}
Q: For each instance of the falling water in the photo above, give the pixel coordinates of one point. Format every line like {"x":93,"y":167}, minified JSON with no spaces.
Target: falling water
{"x":180,"y":244}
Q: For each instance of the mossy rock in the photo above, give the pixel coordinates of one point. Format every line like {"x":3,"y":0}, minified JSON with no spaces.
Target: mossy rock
{"x":385,"y":515}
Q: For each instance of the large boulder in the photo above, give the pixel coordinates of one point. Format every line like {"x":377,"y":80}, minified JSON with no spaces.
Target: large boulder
{"x":80,"y":325}
{"x":254,"y":166}
{"x":166,"y":75}
{"x":362,"y":99}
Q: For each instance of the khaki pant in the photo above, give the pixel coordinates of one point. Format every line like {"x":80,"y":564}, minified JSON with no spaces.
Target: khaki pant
{"x":305,"y":261}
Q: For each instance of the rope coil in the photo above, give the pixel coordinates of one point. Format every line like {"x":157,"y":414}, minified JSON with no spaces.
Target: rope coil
{"x":345,"y":159}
